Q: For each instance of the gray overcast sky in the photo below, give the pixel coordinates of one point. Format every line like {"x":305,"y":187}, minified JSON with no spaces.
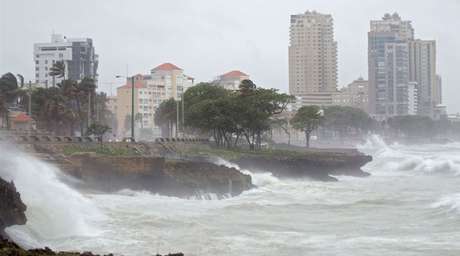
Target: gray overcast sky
{"x":209,"y":37}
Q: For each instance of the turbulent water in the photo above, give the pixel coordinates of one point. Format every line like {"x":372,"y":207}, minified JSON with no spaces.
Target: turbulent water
{"x":409,"y":206}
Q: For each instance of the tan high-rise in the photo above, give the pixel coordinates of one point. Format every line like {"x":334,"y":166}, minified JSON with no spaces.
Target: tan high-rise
{"x":312,"y":58}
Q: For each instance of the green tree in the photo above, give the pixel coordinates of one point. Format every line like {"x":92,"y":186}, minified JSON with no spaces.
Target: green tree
{"x":413,"y":126}
{"x":8,"y":95}
{"x":343,"y":120}
{"x":57,"y":70}
{"x":98,"y":130}
{"x":307,"y":119}
{"x":166,"y":116}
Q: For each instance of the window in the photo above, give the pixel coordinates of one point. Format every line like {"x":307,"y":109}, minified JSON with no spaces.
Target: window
{"x":37,"y":62}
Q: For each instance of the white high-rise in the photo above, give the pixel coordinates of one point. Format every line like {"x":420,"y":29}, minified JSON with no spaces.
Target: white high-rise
{"x":78,"y":55}
{"x":312,"y":58}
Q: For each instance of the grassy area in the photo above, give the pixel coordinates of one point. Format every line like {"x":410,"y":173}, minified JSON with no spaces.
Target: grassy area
{"x":104,"y":150}
{"x":233,"y":154}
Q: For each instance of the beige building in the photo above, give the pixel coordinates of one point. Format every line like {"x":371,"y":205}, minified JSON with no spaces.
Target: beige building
{"x":354,"y":95}
{"x":312,"y":58}
{"x":164,"y":82}
{"x":231,"y":80}
{"x":422,"y":57}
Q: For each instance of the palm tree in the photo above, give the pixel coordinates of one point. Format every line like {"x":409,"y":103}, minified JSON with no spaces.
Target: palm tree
{"x":87,"y":87}
{"x":57,"y":70}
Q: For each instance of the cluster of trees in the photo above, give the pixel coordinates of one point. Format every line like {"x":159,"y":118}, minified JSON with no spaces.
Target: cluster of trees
{"x":230,"y":117}
{"x":250,"y":114}
{"x":63,"y":109}
{"x":416,"y":127}
{"x":334,"y":121}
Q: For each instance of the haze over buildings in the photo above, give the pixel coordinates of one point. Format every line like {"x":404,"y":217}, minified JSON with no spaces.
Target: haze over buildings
{"x":215,"y":36}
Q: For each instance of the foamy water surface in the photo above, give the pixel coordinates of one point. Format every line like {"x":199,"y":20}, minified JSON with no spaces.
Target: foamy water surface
{"x":409,"y":206}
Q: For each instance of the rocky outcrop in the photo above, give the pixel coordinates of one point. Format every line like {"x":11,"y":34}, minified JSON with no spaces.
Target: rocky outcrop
{"x":10,"y":248}
{"x":182,"y":178}
{"x":313,"y":164}
{"x":12,"y":209}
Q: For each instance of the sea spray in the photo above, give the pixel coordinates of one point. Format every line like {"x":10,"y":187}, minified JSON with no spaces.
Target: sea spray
{"x":54,"y":209}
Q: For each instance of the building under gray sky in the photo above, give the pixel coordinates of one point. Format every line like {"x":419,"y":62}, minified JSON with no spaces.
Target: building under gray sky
{"x":209,"y":37}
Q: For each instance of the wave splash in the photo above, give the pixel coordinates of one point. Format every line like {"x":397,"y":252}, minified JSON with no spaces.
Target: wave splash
{"x":54,"y":209}
{"x":396,"y":159}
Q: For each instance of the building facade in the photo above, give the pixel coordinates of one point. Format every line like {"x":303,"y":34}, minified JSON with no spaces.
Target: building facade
{"x":356,"y":95}
{"x":231,"y":80}
{"x":164,"y":82}
{"x":437,"y":93}
{"x":422,"y":54}
{"x":399,"y":68}
{"x":312,"y":58}
{"x":78,"y":55}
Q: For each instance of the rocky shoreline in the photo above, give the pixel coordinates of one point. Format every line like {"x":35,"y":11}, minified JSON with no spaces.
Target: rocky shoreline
{"x":9,"y":248}
{"x":315,"y":164}
{"x":320,"y":166}
{"x":12,"y":209}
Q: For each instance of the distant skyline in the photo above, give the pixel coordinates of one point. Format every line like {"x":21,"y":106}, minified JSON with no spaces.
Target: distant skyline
{"x":208,"y":38}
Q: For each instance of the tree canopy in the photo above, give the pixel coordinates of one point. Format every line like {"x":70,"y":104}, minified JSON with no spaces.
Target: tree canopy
{"x":307,"y":119}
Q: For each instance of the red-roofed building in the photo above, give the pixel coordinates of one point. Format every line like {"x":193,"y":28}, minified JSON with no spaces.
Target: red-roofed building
{"x":231,"y":80}
{"x":166,"y":67}
{"x":164,"y":82}
{"x":21,"y":121}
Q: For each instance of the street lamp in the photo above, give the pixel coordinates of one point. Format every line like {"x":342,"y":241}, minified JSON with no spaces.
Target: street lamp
{"x":132,"y":105}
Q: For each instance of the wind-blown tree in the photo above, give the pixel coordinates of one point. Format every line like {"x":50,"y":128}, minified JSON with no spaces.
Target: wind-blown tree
{"x":50,"y":108}
{"x":345,"y":120}
{"x":8,"y":94}
{"x":57,"y":70}
{"x":307,"y":119}
{"x":87,"y":89}
{"x":283,"y":124}
{"x":166,"y":116}
{"x":228,"y":116}
{"x":413,"y":126}
{"x":98,"y":130}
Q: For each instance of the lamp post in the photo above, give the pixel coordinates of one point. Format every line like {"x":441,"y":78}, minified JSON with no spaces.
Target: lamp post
{"x":132,"y":106}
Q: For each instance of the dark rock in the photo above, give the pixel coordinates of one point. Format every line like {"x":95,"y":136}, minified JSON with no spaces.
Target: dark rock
{"x":12,"y":209}
{"x":181,"y":178}
{"x":315,"y":165}
{"x":9,"y":248}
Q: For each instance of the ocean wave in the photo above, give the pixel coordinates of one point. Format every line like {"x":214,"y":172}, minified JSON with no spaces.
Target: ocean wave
{"x":54,"y":209}
{"x":397,"y":159}
{"x":449,"y":202}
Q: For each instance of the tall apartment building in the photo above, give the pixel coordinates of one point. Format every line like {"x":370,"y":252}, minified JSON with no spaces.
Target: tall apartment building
{"x":422,"y":54}
{"x":388,"y":62}
{"x":399,"y":68}
{"x":231,"y":80}
{"x":164,"y":82}
{"x":356,"y":95}
{"x":78,"y":54}
{"x":312,"y":58}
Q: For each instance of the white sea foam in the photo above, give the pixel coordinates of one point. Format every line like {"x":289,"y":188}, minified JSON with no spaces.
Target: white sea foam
{"x":54,"y":210}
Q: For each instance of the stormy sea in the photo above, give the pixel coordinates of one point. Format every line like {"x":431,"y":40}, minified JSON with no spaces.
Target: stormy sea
{"x":410,"y":205}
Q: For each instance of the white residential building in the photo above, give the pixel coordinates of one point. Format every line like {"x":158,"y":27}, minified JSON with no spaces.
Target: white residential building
{"x":78,"y":54}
